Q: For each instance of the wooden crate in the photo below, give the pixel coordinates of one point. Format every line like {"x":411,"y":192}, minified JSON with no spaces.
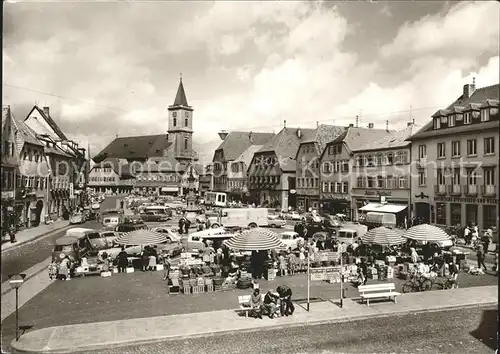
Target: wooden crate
{"x":186,"y":288}
{"x":210,"y":288}
{"x":198,"y":289}
{"x":217,"y":287}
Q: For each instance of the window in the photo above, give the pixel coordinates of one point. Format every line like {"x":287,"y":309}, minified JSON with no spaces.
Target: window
{"x":441,"y":213}
{"x":471,"y":177}
{"x":455,"y":178}
{"x":455,"y":213}
{"x":26,"y":155}
{"x":489,"y":215}
{"x":369,"y":161}
{"x":370,"y":182}
{"x":422,"y":152}
{"x":330,"y":188}
{"x":345,"y":166}
{"x":452,"y":121}
{"x":175,"y":122}
{"x":468,"y":118}
{"x":380,"y":182}
{"x":402,"y":182}
{"x":338,"y":187}
{"x":359,"y":182}
{"x":401,"y":157}
{"x":327,"y":167}
{"x":441,"y":180}
{"x":489,"y":146}
{"x":485,"y":115}
{"x":441,"y":150}
{"x":345,"y":187}
{"x":186,"y":140}
{"x":471,"y":147}
{"x":455,"y":149}
{"x":186,"y":122}
{"x":489,"y":176}
{"x":390,"y":158}
{"x":324,"y":187}
{"x":422,"y":178}
{"x":359,"y":160}
{"x":437,"y":123}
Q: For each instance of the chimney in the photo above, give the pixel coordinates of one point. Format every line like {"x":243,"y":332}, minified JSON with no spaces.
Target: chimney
{"x":357,"y":121}
{"x":469,"y":88}
{"x":370,"y":125}
{"x":46,"y":111}
{"x":351,"y":125}
{"x":299,"y":133}
{"x":223,"y":134}
{"x":387,"y":125}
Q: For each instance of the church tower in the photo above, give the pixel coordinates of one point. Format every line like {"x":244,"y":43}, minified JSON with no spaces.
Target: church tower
{"x":180,"y":125}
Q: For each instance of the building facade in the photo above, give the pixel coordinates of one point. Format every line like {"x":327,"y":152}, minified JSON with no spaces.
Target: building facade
{"x":455,"y":175}
{"x":237,"y":175}
{"x":337,"y":173}
{"x":10,"y":169}
{"x":381,"y":175}
{"x":308,"y":166}
{"x":272,"y":171}
{"x":111,"y":176}
{"x":207,"y":180}
{"x":233,"y":145}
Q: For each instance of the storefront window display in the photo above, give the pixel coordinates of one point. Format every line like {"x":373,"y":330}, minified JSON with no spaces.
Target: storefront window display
{"x":455,"y":213}
{"x":441,"y":213}
{"x":489,"y":215}
{"x":471,"y":214}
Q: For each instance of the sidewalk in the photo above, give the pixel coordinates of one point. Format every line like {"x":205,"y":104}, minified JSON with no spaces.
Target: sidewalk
{"x":98,"y":336}
{"x":34,"y":233}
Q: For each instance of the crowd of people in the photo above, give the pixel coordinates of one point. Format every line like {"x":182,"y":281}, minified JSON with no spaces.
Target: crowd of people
{"x":272,"y":304}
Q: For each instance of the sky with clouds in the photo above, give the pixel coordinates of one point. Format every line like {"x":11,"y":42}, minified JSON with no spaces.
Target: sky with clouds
{"x":108,"y":68}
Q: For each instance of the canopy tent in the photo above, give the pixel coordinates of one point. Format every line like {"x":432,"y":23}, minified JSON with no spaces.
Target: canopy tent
{"x":426,"y":232}
{"x":383,"y":208}
{"x":255,"y":240}
{"x":141,"y":238}
{"x":383,"y":236}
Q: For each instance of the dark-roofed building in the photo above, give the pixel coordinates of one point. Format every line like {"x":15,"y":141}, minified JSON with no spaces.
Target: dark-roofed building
{"x":69,"y":186}
{"x":10,"y":168}
{"x":157,"y":163}
{"x":380,"y":176}
{"x":271,"y":174}
{"x":233,"y":145}
{"x":31,"y":181}
{"x":336,"y":166}
{"x":455,"y":174}
{"x":307,"y":159}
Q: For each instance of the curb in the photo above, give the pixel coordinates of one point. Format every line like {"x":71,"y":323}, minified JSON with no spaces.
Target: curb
{"x":255,"y":329}
{"x":36,"y":238}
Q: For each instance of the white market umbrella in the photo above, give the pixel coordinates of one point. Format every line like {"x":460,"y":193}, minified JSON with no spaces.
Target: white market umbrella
{"x":256,"y":239}
{"x":141,"y":238}
{"x":383,"y":236}
{"x":426,"y":232}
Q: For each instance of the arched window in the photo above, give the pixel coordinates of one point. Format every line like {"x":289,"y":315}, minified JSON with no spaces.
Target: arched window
{"x":175,"y":122}
{"x":186,"y":143}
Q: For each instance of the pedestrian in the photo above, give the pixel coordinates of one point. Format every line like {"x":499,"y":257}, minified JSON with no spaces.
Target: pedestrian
{"x":480,"y":256}
{"x":487,"y":238}
{"x":364,"y":270}
{"x":166,"y":266}
{"x":12,"y":233}
{"x":122,"y":261}
{"x":187,"y":223}
{"x":181,"y":225}
{"x":475,"y":234}
{"x":286,"y":305}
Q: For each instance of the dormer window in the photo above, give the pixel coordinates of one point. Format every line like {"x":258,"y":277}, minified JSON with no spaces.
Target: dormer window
{"x":468,"y":118}
{"x":452,"y":120}
{"x":437,"y":123}
{"x":485,"y":115}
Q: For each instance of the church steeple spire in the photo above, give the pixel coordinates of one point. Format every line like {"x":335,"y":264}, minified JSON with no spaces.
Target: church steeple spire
{"x":180,"y":98}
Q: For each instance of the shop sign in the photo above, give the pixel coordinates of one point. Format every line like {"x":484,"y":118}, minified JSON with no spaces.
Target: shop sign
{"x":71,"y":191}
{"x":8,"y":194}
{"x":338,"y":197}
{"x":440,"y":198}
{"x":379,"y":193}
{"x":325,"y":273}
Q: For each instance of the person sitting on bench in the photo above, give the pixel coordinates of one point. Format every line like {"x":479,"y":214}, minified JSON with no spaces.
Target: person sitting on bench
{"x":256,"y":303}
{"x":270,"y":304}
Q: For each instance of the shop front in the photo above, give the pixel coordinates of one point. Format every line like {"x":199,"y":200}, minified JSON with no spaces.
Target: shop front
{"x":336,"y":204}
{"x":306,"y":202}
{"x":8,"y":216}
{"x":383,"y":201}
{"x":31,"y":209}
{"x":453,"y":211}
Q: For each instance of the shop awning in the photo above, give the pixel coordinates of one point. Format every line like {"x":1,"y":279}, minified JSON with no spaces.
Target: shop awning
{"x":169,"y":189}
{"x":383,"y":208}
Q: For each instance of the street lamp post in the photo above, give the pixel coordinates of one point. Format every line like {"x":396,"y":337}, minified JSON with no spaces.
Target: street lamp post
{"x":16,"y":280}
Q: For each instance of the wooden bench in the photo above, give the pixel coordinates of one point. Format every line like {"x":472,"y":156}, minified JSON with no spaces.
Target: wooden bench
{"x":377,"y":291}
{"x":244,"y":302}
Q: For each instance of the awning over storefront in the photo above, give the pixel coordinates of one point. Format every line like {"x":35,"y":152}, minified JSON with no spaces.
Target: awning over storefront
{"x":169,"y":189}
{"x":383,"y":208}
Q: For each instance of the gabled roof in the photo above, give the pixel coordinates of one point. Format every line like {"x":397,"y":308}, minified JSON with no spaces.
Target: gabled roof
{"x":180,"y":97}
{"x":355,"y":137}
{"x":247,"y":155}
{"x":478,"y":97}
{"x":7,"y":128}
{"x":26,"y":134}
{"x":323,"y":135}
{"x":49,"y":121}
{"x":395,"y":139}
{"x":285,"y":145}
{"x":136,"y":147}
{"x":236,"y":142}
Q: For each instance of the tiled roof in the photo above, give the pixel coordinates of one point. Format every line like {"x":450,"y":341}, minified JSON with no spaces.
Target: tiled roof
{"x":120,"y":166}
{"x":478,"y":97}
{"x":237,"y":142}
{"x":285,"y":145}
{"x":26,"y":134}
{"x":56,"y":151}
{"x":49,"y":121}
{"x":247,"y":155}
{"x":7,"y":135}
{"x":395,"y":139}
{"x":323,"y":135}
{"x":355,"y":137}
{"x":180,"y":98}
{"x":136,"y":147}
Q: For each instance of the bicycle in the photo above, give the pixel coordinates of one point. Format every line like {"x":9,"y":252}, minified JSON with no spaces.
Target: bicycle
{"x":416,"y":284}
{"x":445,"y":283}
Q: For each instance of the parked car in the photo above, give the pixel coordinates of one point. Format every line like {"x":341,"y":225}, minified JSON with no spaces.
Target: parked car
{"x":76,"y":219}
{"x":275,"y":222}
{"x":171,"y":236}
{"x":109,"y":237}
{"x":153,"y":216}
{"x":128,"y":227}
{"x":295,"y":216}
{"x":291,"y":240}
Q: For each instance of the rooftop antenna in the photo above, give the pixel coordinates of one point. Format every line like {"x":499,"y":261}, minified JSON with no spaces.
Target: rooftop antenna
{"x":357,"y":121}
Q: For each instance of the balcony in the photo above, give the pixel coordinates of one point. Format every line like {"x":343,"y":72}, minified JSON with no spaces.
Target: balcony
{"x":440,"y":189}
{"x":470,"y":189}
{"x":488,"y":191}
{"x":455,"y":189}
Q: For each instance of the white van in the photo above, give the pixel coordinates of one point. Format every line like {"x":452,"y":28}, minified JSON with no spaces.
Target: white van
{"x":111,"y":221}
{"x":348,"y":236}
{"x":161,"y":209}
{"x":217,"y":236}
{"x":245,"y":217}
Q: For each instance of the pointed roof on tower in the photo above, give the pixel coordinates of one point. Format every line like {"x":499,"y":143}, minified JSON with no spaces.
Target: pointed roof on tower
{"x":180,"y":98}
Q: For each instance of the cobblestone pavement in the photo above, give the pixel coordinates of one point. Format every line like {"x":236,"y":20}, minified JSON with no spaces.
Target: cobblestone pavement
{"x":462,"y":331}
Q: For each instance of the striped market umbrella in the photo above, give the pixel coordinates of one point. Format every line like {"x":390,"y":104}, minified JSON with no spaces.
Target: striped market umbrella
{"x":383,"y":236}
{"x":426,"y":232}
{"x":141,"y":237}
{"x":255,"y":240}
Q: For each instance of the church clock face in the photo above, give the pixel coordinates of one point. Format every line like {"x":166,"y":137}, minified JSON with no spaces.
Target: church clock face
{"x":174,"y":114}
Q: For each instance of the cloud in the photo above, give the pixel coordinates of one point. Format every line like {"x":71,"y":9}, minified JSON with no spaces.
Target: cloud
{"x":246,"y":65}
{"x":467,"y":28}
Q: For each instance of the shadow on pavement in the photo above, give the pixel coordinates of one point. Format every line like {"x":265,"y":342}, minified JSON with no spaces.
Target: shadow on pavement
{"x":488,"y":328}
